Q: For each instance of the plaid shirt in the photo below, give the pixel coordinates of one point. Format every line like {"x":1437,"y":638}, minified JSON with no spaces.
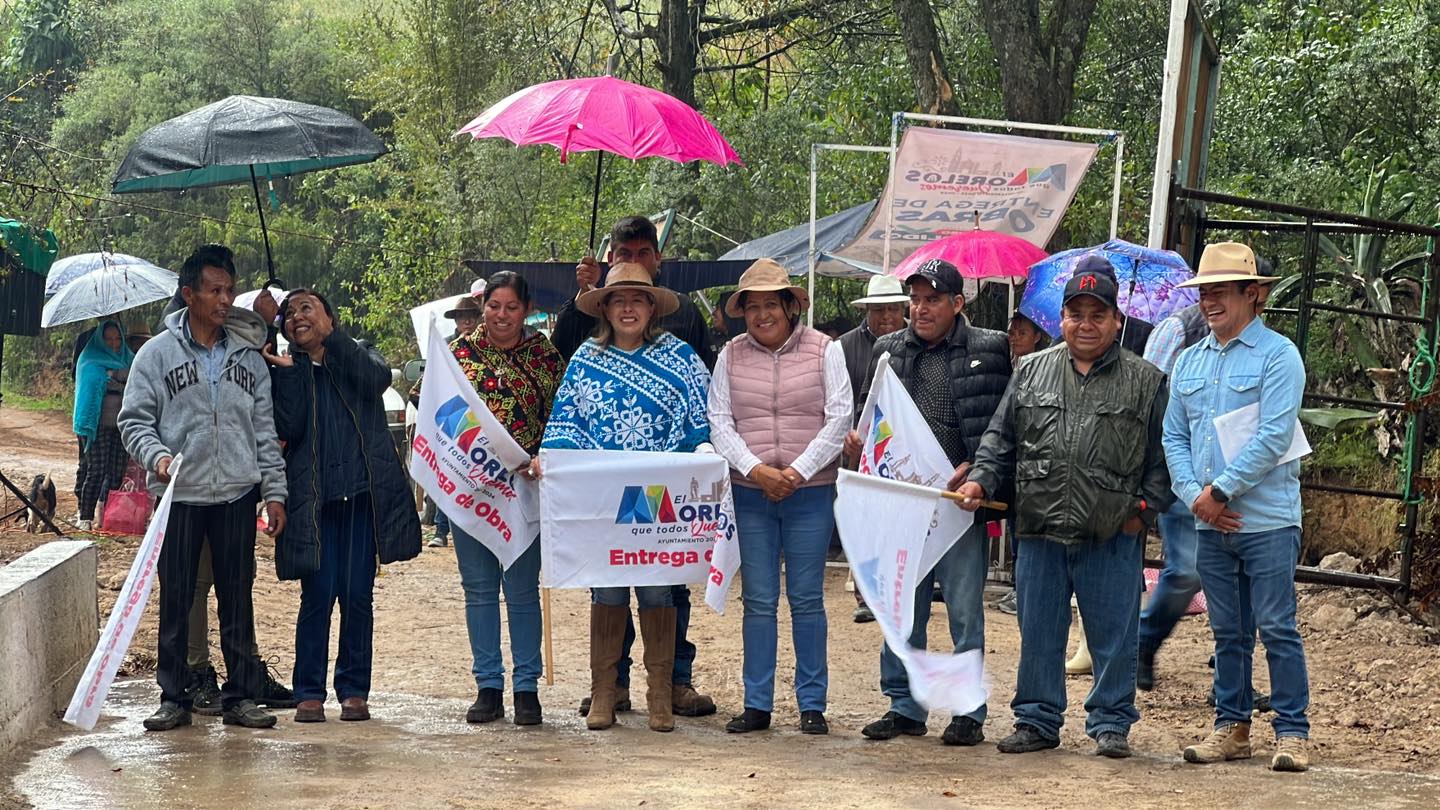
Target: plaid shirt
{"x":1165,"y":344}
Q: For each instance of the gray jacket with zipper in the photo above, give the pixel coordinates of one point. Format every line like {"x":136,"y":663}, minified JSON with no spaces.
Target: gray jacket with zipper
{"x":229,"y":441}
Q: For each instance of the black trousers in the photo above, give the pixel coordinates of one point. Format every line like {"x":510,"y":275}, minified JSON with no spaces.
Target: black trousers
{"x":230,"y":529}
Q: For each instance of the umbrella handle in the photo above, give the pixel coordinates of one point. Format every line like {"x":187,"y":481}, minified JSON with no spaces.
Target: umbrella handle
{"x":595,"y":201}
{"x":264,"y":232}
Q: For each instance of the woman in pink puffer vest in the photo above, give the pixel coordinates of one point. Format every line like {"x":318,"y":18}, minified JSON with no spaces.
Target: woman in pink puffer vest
{"x":780,"y":404}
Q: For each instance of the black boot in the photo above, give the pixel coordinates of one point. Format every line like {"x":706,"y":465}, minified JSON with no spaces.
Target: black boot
{"x":204,"y":691}
{"x":488,"y":706}
{"x":273,"y":693}
{"x":527,"y":709}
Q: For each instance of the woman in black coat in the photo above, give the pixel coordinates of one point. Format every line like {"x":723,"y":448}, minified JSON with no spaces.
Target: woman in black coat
{"x":349,"y":504}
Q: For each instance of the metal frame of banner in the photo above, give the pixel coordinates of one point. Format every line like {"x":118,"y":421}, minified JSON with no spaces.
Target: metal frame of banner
{"x":1109,"y":134}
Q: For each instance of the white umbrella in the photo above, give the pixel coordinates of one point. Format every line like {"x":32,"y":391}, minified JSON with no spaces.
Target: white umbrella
{"x":70,"y":268}
{"x":108,"y":289}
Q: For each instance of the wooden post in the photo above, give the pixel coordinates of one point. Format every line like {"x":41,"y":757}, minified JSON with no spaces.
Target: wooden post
{"x":549,"y":640}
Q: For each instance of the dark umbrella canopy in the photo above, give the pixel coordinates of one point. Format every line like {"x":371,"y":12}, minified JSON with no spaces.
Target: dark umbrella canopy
{"x":241,"y":137}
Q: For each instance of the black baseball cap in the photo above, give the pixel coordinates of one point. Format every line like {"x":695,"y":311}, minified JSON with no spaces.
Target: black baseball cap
{"x":1094,"y":276}
{"x":942,"y":275}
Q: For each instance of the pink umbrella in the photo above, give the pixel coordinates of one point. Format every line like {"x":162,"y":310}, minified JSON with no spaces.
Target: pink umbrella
{"x":978,"y":254}
{"x":603,"y":114}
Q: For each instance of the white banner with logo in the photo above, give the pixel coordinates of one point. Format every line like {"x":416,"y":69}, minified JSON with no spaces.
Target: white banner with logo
{"x":94,"y":684}
{"x":899,"y":445}
{"x":943,"y":178}
{"x":883,"y":554}
{"x":465,"y":460}
{"x":611,"y":518}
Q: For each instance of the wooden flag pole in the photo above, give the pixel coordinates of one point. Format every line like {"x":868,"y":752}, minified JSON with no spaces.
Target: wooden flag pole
{"x":958,"y":498}
{"x":549,"y":641}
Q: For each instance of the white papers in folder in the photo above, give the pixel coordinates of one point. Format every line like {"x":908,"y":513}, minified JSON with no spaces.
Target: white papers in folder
{"x":1236,"y":428}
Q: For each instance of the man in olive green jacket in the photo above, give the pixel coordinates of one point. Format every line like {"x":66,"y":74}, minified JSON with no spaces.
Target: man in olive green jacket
{"x":1079,"y":432}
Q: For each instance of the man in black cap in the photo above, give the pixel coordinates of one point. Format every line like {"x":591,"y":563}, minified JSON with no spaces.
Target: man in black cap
{"x":1079,"y":432}
{"x":956,"y":374}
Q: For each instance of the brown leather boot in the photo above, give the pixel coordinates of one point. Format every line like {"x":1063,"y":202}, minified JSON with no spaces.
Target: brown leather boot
{"x":1224,"y":743}
{"x":657,"y":629}
{"x":607,"y":636}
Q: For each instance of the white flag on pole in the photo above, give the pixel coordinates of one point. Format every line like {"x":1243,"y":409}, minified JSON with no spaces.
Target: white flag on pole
{"x":465,"y":460}
{"x":899,"y":445}
{"x":883,"y":554}
{"x":612,"y":518}
{"x":94,"y":685}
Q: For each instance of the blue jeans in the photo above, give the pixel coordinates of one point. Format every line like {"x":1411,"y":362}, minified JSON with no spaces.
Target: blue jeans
{"x":646,"y":596}
{"x":482,"y":579}
{"x":797,"y":529}
{"x":346,"y":575}
{"x":442,"y":524}
{"x":684,"y":650}
{"x":961,"y":574}
{"x":1179,"y":581}
{"x":1249,"y":583}
{"x":1105,"y":578}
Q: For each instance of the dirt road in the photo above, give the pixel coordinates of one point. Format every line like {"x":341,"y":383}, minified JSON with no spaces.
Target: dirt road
{"x":1375,"y":683}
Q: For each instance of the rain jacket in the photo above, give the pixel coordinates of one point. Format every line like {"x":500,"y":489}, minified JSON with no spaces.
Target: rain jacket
{"x":228,"y":441}
{"x":360,"y":375}
{"x":1083,"y":450}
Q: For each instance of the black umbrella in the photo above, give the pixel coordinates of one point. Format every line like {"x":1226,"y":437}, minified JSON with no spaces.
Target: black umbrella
{"x":244,"y":138}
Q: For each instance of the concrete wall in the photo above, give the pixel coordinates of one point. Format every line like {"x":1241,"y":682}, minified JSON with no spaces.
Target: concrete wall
{"x":49,"y":625}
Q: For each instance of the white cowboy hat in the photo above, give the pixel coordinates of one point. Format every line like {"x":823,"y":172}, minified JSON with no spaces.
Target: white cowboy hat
{"x":882,"y":289}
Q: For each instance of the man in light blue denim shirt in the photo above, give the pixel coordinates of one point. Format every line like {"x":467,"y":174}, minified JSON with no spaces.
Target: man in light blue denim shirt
{"x":1247,"y":510}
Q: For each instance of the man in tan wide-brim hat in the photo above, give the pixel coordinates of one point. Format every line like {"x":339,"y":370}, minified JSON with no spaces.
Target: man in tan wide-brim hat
{"x":1246,"y":506}
{"x":627,"y":275}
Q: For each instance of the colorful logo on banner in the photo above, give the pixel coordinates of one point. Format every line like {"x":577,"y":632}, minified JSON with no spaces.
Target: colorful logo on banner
{"x":880,"y":436}
{"x":645,"y":505}
{"x":456,"y":421}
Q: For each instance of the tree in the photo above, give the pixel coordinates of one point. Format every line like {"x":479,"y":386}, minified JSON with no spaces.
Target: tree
{"x":927,"y":62}
{"x":1038,"y":58}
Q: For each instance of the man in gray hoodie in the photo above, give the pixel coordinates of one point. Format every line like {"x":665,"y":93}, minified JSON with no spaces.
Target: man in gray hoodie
{"x":201,"y":390}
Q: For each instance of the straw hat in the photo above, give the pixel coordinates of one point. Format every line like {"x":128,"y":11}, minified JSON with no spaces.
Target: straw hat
{"x":627,"y":274}
{"x":467,"y":305}
{"x":1227,"y":261}
{"x":765,"y":275}
{"x":883,"y":289}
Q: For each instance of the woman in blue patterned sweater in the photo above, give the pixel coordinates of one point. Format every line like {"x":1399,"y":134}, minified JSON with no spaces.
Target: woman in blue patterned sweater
{"x":631,"y":387}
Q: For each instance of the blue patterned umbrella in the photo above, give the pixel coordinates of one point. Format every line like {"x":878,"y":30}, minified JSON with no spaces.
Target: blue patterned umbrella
{"x":1148,"y":278}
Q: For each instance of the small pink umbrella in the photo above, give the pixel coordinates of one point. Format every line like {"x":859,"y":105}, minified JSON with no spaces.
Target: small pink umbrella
{"x":978,"y":254}
{"x":603,"y":114}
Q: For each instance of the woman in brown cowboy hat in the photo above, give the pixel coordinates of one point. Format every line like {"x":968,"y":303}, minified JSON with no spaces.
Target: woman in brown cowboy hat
{"x":466,"y":315}
{"x":632,"y":386}
{"x":780,"y":405}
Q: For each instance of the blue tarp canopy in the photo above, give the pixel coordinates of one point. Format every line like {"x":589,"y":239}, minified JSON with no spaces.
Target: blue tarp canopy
{"x":553,"y":283}
{"x":789,"y":247}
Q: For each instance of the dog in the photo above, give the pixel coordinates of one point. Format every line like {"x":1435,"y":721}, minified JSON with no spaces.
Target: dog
{"x":42,"y":496}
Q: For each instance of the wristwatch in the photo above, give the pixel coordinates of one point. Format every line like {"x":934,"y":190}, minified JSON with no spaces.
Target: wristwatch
{"x":1218,"y":495}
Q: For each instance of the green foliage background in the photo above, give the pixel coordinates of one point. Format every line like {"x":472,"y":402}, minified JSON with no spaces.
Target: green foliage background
{"x":1315,"y":95}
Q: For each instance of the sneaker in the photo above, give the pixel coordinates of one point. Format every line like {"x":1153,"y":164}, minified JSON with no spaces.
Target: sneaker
{"x":1145,"y":670}
{"x":622,"y":701}
{"x":1291,"y":754}
{"x":747,"y":721}
{"x":168,"y":716}
{"x":204,"y":691}
{"x":863,"y":614}
{"x":1112,"y":744}
{"x":963,"y":731}
{"x":84,"y":525}
{"x":813,"y":722}
{"x":438,"y":542}
{"x":1009,"y":603}
{"x":893,"y":725}
{"x":527,"y":709}
{"x":273,"y":693}
{"x":1025,"y":740}
{"x":1224,"y":743}
{"x":686,"y":702}
{"x":488,"y":706}
{"x":248,"y":715}
{"x":1262,"y":703}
